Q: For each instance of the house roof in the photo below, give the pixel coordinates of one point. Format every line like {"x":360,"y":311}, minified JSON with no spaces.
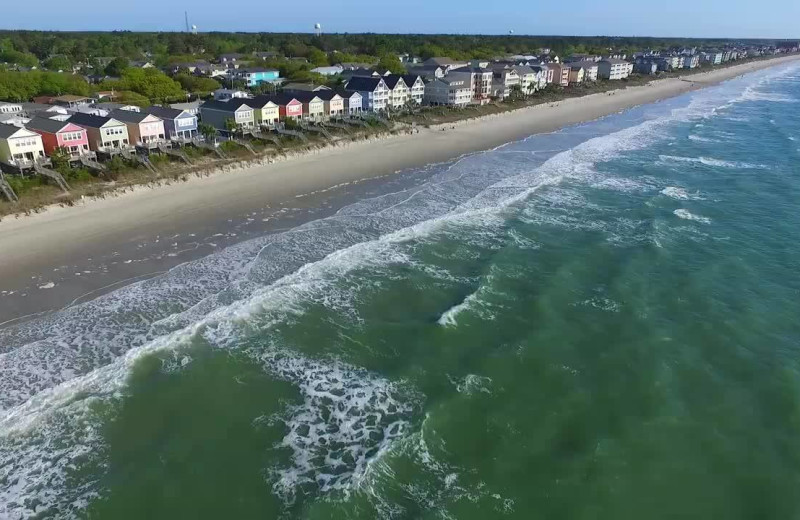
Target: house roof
{"x":237,"y":103}
{"x":470,"y":68}
{"x":442,"y":61}
{"x":347,"y":94}
{"x":164,"y":112}
{"x":613,"y":61}
{"x":259,"y":101}
{"x":283,"y":98}
{"x":256,"y":69}
{"x":50,"y":126}
{"x":223,"y":106}
{"x":304,"y":87}
{"x":128,"y":116}
{"x":392,"y":80}
{"x":8,"y":131}
{"x":364,"y":84}
{"x":306,"y":97}
{"x":327,"y":94}
{"x":90,"y":120}
{"x":410,"y":79}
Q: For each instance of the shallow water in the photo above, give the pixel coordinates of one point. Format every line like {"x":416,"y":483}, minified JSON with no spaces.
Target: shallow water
{"x":599,"y":322}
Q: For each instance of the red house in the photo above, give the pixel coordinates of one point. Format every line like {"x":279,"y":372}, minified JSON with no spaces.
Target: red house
{"x":288,"y":106}
{"x":61,"y":134}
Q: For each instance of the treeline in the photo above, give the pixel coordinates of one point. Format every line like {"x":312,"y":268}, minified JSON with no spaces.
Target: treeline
{"x":21,"y":86}
{"x":24,"y":46}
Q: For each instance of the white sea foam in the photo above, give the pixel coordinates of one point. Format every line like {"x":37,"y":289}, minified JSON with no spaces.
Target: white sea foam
{"x":678,"y":193}
{"x":686,"y":215}
{"x":710,"y":161}
{"x":700,"y":139}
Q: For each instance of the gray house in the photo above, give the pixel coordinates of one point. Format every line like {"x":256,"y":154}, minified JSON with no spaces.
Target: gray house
{"x":179,"y":124}
{"x":215,"y":113}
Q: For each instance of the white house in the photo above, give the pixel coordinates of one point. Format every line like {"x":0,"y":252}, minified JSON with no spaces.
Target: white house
{"x":614,"y":69}
{"x":399,"y":93}
{"x":328,"y":71}
{"x":448,"y":92}
{"x":373,"y":90}
{"x":20,"y":147}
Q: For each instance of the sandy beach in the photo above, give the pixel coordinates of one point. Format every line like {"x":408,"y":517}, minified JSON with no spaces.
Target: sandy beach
{"x":66,"y":255}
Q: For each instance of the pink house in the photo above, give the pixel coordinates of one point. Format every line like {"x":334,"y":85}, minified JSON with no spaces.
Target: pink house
{"x":143,"y":128}
{"x":60,"y":134}
{"x":288,"y":106}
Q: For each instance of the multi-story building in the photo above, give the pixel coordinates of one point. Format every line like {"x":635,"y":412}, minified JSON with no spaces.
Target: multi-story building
{"x":614,"y":69}
{"x":399,"y":93}
{"x":417,"y":87}
{"x":448,"y":91}
{"x":178,"y":124}
{"x":504,"y":79}
{"x":256,"y":76}
{"x":104,"y":133}
{"x":143,"y":128}
{"x":20,"y":147}
{"x":60,"y":134}
{"x":480,"y":79}
{"x":217,"y":113}
{"x":373,"y":90}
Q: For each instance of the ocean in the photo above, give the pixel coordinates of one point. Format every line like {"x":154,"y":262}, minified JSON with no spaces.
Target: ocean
{"x":600,"y":322}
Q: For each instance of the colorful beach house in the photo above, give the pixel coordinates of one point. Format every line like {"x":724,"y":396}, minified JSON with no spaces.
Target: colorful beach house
{"x":216,"y":113}
{"x":288,"y":106}
{"x":20,"y":147}
{"x":178,"y":124}
{"x":313,"y":105}
{"x":60,"y":134}
{"x":105,"y":133}
{"x":143,"y":128}
{"x":255,"y":76}
{"x":352,"y":101}
{"x":265,"y":111}
{"x":334,"y":104}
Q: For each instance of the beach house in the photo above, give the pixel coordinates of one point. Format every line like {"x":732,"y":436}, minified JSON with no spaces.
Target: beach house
{"x":559,"y":73}
{"x":265,"y":111}
{"x":527,"y":78}
{"x":289,"y":107}
{"x":60,"y":134}
{"x":504,"y":80}
{"x":105,"y":133}
{"x":448,"y":91}
{"x":20,"y":147}
{"x":178,"y":124}
{"x":444,"y":62}
{"x":10,"y":108}
{"x":591,"y":69}
{"x":399,"y":93}
{"x":416,"y":86}
{"x":614,"y":69}
{"x":328,"y":71}
{"x":352,"y":102}
{"x":216,"y":113}
{"x":576,"y":73}
{"x":373,"y":90}
{"x":255,"y":76}
{"x":143,"y":128}
{"x":479,"y":77}
{"x":313,"y":106}
{"x":334,"y":103}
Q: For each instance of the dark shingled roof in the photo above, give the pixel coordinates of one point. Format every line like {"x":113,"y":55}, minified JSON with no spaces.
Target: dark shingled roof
{"x":89,"y":120}
{"x":128,"y":116}
{"x":164,"y":112}
{"x":392,"y":79}
{"x":363,"y":84}
{"x":50,"y":126}
{"x":7,"y":131}
{"x":219,"y":105}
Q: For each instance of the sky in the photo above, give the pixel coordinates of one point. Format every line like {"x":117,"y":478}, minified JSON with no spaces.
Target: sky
{"x":678,"y":18}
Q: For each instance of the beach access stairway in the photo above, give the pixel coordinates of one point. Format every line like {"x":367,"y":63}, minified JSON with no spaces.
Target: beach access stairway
{"x":335,"y":124}
{"x":180,"y":154}
{"x":318,"y":130}
{"x":91,"y":164}
{"x":294,"y":133}
{"x":268,"y":138}
{"x":51,"y":174}
{"x":208,"y":146}
{"x":354,"y":121}
{"x":245,"y":144}
{"x":141,"y":159}
{"x":5,"y":188}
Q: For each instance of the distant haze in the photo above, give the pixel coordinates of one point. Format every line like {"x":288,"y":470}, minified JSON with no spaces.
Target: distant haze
{"x":678,"y":18}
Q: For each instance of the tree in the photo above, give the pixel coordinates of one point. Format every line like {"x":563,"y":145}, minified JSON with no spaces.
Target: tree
{"x":208,"y":131}
{"x":391,"y":63}
{"x":117,"y":66}
{"x":231,"y":126}
{"x":318,"y":58}
{"x":196,"y":84}
{"x":60,"y":159}
{"x":58,"y":63}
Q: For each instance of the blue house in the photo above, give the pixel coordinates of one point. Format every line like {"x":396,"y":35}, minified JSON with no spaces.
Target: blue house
{"x":178,"y":124}
{"x":254,"y":77}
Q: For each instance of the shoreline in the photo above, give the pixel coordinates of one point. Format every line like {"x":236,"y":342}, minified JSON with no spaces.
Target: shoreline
{"x":60,"y":239}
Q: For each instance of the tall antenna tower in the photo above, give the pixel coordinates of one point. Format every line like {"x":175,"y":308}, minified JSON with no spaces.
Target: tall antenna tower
{"x":186,"y":16}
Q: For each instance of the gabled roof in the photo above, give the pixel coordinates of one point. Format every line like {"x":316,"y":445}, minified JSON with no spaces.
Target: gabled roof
{"x":392,"y":80}
{"x":326,"y":95}
{"x":410,"y":79}
{"x":347,"y":94}
{"x":284,"y":99}
{"x":129,"y":116}
{"x":364,"y":84}
{"x":613,"y":61}
{"x":306,"y":97}
{"x":223,"y":106}
{"x":9,"y":131}
{"x":259,"y":101}
{"x":91,"y":121}
{"x":237,"y":103}
{"x":51,"y":126}
{"x":165,"y":112}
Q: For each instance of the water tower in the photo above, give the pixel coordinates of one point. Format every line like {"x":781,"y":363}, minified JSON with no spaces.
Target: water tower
{"x":318,"y":29}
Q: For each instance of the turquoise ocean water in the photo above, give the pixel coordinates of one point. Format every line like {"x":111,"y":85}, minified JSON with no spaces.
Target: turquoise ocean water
{"x":601,"y":322}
